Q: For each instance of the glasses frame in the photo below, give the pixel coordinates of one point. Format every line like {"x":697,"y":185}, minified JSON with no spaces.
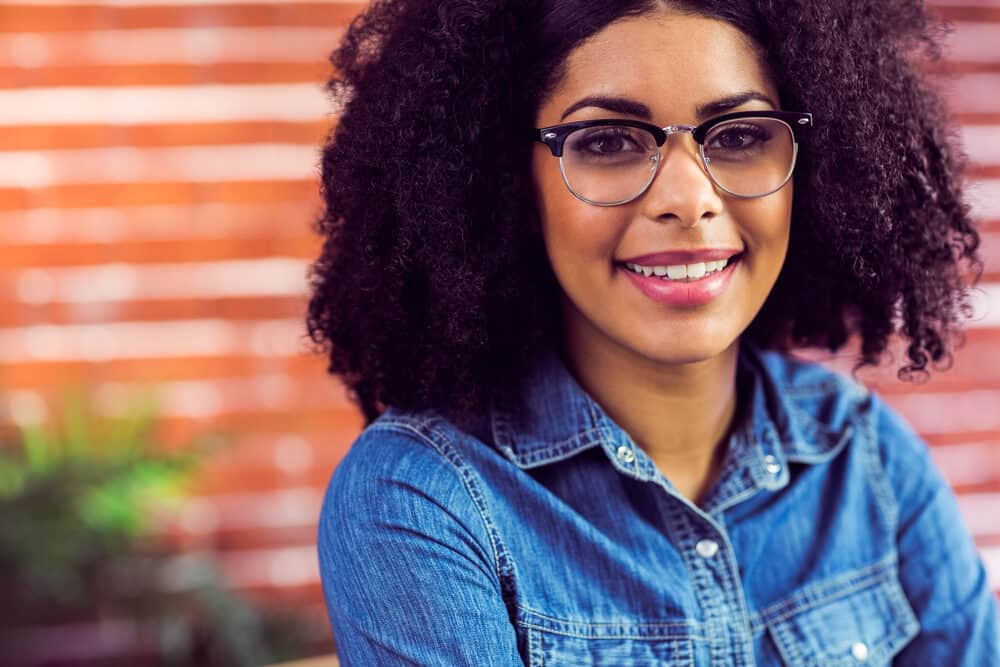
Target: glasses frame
{"x":554,"y":136}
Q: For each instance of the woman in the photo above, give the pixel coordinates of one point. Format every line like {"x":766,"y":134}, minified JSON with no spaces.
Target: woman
{"x":563,"y":273}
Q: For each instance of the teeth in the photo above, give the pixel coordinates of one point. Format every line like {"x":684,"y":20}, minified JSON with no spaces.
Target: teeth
{"x":680,"y":271}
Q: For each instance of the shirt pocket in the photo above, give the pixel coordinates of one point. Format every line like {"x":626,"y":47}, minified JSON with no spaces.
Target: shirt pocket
{"x":552,"y":642}
{"x":857,"y":626}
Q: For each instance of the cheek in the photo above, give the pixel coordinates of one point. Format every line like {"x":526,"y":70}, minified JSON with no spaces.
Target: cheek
{"x":574,"y":232}
{"x":766,"y":222}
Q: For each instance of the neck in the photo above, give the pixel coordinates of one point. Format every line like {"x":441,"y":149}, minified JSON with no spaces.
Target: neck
{"x":679,"y":414}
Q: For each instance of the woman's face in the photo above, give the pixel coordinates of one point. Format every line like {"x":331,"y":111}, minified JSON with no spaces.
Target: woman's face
{"x":672,"y":64}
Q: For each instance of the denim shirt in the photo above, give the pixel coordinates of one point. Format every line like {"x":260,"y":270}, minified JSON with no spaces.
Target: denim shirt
{"x":546,"y":536}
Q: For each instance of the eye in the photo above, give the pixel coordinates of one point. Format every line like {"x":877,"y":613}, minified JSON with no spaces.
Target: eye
{"x":737,"y":136}
{"x":607,"y":141}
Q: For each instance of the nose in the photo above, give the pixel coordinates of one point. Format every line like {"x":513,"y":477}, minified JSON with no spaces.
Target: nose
{"x":681,"y":190}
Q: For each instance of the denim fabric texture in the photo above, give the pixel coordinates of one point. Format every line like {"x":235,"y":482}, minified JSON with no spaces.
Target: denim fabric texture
{"x":545,"y":536}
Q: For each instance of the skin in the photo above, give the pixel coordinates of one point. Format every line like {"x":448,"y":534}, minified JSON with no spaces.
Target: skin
{"x":665,"y":374}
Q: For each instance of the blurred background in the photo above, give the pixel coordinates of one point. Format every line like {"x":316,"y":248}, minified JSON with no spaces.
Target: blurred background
{"x":166,"y":434}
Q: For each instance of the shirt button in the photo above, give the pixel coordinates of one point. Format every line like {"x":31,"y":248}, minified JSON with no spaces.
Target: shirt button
{"x":707,"y":548}
{"x":860,"y":651}
{"x":626,"y":454}
{"x":771,"y":465}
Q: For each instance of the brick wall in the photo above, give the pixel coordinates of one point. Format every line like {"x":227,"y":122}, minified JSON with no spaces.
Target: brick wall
{"x":158,"y":173}
{"x":158,"y":176}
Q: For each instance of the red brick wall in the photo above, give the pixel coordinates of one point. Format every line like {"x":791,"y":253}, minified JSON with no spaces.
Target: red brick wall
{"x":158,"y":177}
{"x":158,"y":168}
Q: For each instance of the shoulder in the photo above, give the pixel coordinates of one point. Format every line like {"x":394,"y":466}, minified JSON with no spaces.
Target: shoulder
{"x":402,"y":532}
{"x":404,"y":469}
{"x":399,"y":448}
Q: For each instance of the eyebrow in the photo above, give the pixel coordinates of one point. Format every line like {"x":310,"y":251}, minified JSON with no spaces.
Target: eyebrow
{"x":629,"y":107}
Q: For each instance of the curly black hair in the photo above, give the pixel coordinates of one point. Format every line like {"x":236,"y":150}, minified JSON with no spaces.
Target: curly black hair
{"x":433,"y":288}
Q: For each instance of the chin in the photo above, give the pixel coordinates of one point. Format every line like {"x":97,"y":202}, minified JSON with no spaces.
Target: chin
{"x":693,"y":349}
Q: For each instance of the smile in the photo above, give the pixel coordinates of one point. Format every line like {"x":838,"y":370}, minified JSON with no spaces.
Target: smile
{"x":680,"y":272}
{"x":695,"y":284}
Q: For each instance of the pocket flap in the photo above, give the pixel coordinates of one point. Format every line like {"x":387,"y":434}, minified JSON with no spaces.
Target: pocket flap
{"x":866,"y":626}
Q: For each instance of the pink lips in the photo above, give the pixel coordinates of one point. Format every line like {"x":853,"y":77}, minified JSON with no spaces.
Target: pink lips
{"x":683,"y":293}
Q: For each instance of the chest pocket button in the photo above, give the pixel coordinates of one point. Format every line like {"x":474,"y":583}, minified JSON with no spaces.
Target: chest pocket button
{"x":860,"y":651}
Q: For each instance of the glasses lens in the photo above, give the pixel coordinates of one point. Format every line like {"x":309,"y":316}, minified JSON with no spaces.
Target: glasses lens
{"x":610,"y":163}
{"x":750,"y":157}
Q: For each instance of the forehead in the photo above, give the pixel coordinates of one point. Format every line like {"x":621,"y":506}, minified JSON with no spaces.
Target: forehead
{"x":672,"y":61}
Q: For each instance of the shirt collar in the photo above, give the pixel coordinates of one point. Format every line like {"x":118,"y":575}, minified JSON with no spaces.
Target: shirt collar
{"x":796,"y":412}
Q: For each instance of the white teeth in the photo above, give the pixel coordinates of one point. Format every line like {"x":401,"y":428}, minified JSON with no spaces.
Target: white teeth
{"x":696,"y":270}
{"x":680,"y":271}
{"x":677,"y":272}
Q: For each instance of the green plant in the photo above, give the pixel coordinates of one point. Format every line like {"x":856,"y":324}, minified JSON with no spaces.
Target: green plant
{"x":78,"y":501}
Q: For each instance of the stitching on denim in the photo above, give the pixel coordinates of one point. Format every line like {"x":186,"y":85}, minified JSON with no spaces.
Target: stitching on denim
{"x":737,"y":600}
{"x":536,"y":655}
{"x":548,"y":452}
{"x":787,"y":647}
{"x":910,"y":625}
{"x":830,"y":452}
{"x":826,"y":591}
{"x":738,"y":482}
{"x":563,"y":448}
{"x":681,"y":647}
{"x":566,"y":633}
{"x":576,"y":635}
{"x":663,"y":624}
{"x":502,"y":559}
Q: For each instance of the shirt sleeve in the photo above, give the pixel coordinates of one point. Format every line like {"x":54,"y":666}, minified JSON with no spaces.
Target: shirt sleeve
{"x":941,"y":572}
{"x":406,"y":562}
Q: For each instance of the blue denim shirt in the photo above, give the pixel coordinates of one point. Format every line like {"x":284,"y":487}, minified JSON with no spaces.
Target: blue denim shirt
{"x":547,"y":537}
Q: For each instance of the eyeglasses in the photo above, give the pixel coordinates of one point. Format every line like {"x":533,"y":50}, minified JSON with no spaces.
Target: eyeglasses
{"x":609,"y":162}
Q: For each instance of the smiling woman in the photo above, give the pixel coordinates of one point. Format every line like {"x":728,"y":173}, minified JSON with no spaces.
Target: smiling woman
{"x":570,"y":248}
{"x":633,"y":338}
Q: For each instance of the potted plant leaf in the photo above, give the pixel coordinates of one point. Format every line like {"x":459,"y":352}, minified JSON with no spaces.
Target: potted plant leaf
{"x":88,"y":580}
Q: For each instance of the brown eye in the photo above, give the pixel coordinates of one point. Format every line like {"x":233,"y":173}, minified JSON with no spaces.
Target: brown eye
{"x":737,"y":136}
{"x":608,"y":141}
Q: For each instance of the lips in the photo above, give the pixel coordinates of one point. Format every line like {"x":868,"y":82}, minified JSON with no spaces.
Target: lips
{"x":688,"y":293}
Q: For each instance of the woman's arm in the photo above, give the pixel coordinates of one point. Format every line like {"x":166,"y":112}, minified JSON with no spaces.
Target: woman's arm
{"x":944,"y":578}
{"x":407,"y":565}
